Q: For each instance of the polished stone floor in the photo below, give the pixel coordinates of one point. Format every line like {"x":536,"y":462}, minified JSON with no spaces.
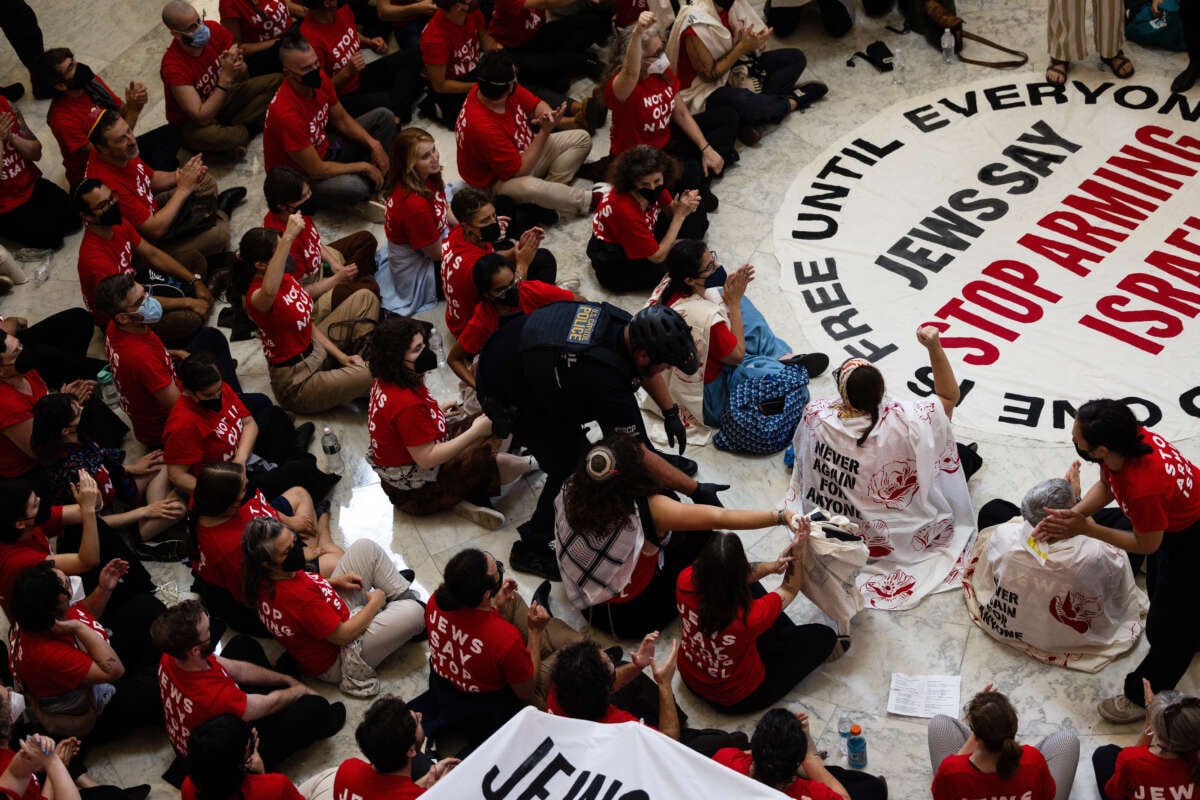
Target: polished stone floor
{"x":123,"y":40}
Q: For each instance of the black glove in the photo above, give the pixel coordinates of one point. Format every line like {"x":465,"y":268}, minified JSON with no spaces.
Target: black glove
{"x":675,"y":429}
{"x":706,"y":493}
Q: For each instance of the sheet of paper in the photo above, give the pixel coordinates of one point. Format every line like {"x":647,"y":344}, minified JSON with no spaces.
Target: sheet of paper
{"x":924,"y":695}
{"x":1037,"y":549}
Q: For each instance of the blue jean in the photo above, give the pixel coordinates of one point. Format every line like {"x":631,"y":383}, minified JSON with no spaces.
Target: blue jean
{"x":347,"y":190}
{"x":763,"y":351}
{"x":783,"y":67}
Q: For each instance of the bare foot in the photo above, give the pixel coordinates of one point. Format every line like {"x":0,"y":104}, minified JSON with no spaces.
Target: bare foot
{"x":1072,"y":477}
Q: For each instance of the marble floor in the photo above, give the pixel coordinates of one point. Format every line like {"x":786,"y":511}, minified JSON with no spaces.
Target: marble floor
{"x":125,"y":42}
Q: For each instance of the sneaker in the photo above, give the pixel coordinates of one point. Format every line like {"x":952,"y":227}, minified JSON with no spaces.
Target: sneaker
{"x":534,"y":559}
{"x":12,"y":92}
{"x":808,"y":93}
{"x":484,"y":517}
{"x":1121,"y":710}
{"x":599,"y":189}
{"x":570,"y":284}
{"x":6,"y":284}
{"x":594,"y":170}
{"x":337,"y":718}
{"x":167,"y":551}
{"x":750,"y":135}
{"x":371,"y":211}
{"x":813,"y":363}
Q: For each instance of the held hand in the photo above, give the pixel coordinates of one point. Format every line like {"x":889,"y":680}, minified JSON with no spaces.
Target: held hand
{"x":198,"y":305}
{"x":66,"y":749}
{"x":295,"y":224}
{"x":529,"y":242}
{"x":112,"y":573}
{"x":552,"y":119}
{"x":929,"y":337}
{"x":345,"y":273}
{"x":663,"y":673}
{"x":379,"y":158}
{"x":735,"y":284}
{"x":711,"y":161}
{"x":136,"y":95}
{"x":378,"y":44}
{"x":507,"y":590}
{"x":537,"y":617}
{"x":1060,"y":523}
{"x":228,"y":61}
{"x":190,"y":174}
{"x":81,"y":389}
{"x":685,"y":203}
{"x":357,"y":63}
{"x":375,"y":175}
{"x":706,"y":494}
{"x":355,"y":361}
{"x":377,"y":598}
{"x":86,"y":493}
{"x":168,"y":508}
{"x":347,"y":582}
{"x":645,"y":21}
{"x":38,"y":750}
{"x":644,"y":655}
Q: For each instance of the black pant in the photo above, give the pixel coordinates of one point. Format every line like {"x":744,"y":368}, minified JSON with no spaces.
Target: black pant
{"x":129,"y":622}
{"x":616,"y":272}
{"x":57,"y":347}
{"x":224,"y":606}
{"x":393,"y":82}
{"x":783,"y":67}
{"x":1189,"y":15}
{"x":112,"y":545}
{"x":558,"y":52}
{"x":264,"y":62}
{"x":473,"y":716}
{"x":42,"y":220}
{"x":834,"y":17}
{"x":788,"y":652}
{"x":1104,"y":764}
{"x":860,"y":785}
{"x":1171,"y":627}
{"x":160,"y":147}
{"x":20,"y":25}
{"x":654,"y":607}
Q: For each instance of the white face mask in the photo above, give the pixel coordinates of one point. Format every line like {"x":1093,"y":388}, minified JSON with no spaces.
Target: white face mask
{"x":659,"y":65}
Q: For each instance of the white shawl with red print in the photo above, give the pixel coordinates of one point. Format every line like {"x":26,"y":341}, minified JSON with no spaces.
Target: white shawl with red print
{"x":904,"y":488}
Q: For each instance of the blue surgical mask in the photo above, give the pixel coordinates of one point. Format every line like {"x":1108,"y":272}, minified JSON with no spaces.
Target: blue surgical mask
{"x":151,"y":311}
{"x":200,"y":37}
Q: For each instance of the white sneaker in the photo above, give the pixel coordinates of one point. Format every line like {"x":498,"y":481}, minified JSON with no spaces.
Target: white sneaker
{"x":570,"y":284}
{"x":371,"y":211}
{"x":484,"y":517}
{"x":9,"y":268}
{"x":1121,"y":710}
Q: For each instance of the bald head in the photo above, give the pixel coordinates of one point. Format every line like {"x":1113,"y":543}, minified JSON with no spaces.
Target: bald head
{"x":178,"y":15}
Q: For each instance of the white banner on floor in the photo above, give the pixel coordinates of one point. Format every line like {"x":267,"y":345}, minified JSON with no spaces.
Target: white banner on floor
{"x":536,"y":755}
{"x":1051,"y":233}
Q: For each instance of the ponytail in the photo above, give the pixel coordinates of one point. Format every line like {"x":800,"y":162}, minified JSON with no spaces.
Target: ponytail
{"x":874,"y":421}
{"x":1009,"y":760}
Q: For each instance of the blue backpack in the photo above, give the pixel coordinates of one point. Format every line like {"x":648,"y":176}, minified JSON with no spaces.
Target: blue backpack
{"x":763,"y":412}
{"x":1165,"y":31}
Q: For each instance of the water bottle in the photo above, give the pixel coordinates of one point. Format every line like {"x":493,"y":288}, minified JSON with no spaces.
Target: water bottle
{"x":437,"y":345}
{"x":333,"y":451}
{"x":856,"y":747}
{"x":899,"y":66}
{"x":844,"y":725}
{"x":108,"y":388}
{"x":947,"y":45}
{"x":40,"y":256}
{"x":789,"y":456}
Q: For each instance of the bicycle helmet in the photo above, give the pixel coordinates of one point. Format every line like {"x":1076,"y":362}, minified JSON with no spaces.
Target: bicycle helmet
{"x":666,"y":338}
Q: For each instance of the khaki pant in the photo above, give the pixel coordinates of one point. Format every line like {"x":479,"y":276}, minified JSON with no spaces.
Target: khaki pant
{"x":318,"y":383}
{"x":208,"y":242}
{"x":547,"y":185}
{"x":555,"y":637}
{"x":239,"y":120}
{"x":1067,"y":25}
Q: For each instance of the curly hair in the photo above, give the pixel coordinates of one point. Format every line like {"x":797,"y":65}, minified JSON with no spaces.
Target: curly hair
{"x":777,"y":747}
{"x":600,"y":507}
{"x":582,"y":679}
{"x":639,"y":161}
{"x":389,"y":343}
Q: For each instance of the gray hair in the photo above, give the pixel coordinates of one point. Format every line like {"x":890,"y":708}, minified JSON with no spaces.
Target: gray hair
{"x":1175,"y":719}
{"x":1054,"y":493}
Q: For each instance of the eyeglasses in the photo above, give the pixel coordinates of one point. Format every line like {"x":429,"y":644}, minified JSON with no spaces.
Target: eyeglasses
{"x":711,"y":267}
{"x":106,"y":205}
{"x":497,"y":294}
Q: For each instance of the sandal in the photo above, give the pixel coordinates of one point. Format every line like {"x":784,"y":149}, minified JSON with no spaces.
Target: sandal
{"x":1056,"y":73}
{"x":1121,"y":66}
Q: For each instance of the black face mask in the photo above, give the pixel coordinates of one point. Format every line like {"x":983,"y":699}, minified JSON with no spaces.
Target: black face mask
{"x":111,"y":217}
{"x":724,"y":5}
{"x":649,"y":195}
{"x":1084,"y":455}
{"x":425,"y":362}
{"x":294,"y":560}
{"x":208,"y":649}
{"x":490,"y":233}
{"x":214,"y":404}
{"x":312,"y":79}
{"x":83,"y":76}
{"x":716,"y":279}
{"x":510,"y":298}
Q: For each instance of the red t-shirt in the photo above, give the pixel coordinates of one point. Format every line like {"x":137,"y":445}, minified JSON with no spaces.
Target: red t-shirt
{"x":49,"y":664}
{"x":490,"y":144}
{"x":612,"y":715}
{"x":300,"y":613}
{"x":721,"y":342}
{"x":513,"y":24}
{"x":33,"y":791}
{"x":261,"y":21}
{"x":285,"y":329}
{"x":1142,"y":774}
{"x":1157,"y":491}
{"x":458,"y":277}
{"x":271,"y":786}
{"x":70,"y":119}
{"x":726,"y":667}
{"x":620,"y":220}
{"x":100,"y":258}
{"x":486,"y":319}
{"x":477,"y":651}
{"x":645,"y":116}
{"x":18,"y":175}
{"x":221,"y":545}
{"x":295,"y":122}
{"x":196,"y":436}
{"x":15,"y":408}
{"x":454,"y":46}
{"x":957,"y":778}
{"x":357,"y":779}
{"x":132,"y":185}
{"x":141,"y":366}
{"x":306,"y":248}
{"x":201,"y":72}
{"x":800,"y":789}
{"x":335,"y":43}
{"x":192,"y":698}
{"x":398,"y":419}
{"x":16,"y":557}
{"x":413,"y":219}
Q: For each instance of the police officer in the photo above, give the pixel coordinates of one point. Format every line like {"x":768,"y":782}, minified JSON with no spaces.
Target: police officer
{"x":545,"y":375}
